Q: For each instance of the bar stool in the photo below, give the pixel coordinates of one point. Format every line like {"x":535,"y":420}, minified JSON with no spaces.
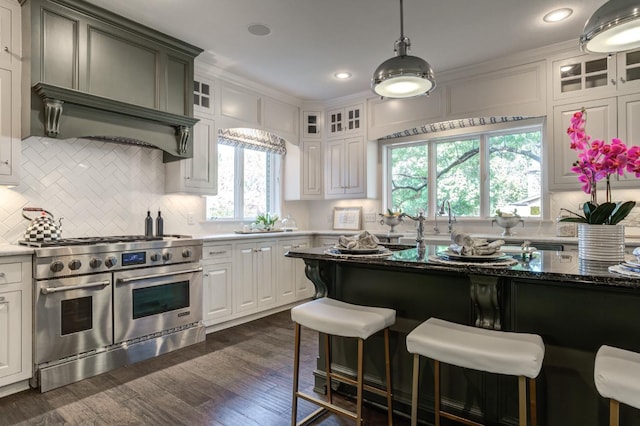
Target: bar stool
{"x":335,"y":318}
{"x":492,"y":351}
{"x":616,"y":374}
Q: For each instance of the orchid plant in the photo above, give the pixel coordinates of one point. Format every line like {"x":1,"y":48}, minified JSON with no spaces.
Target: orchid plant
{"x":598,"y":160}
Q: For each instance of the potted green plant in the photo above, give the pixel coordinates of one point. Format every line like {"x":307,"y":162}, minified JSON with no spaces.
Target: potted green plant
{"x":266,"y":221}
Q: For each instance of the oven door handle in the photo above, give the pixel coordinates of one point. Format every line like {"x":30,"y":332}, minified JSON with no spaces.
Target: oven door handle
{"x":49,"y":290}
{"x":166,"y":274}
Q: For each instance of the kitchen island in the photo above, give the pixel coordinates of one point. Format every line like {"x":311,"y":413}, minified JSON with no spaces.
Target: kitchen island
{"x":574,"y":306}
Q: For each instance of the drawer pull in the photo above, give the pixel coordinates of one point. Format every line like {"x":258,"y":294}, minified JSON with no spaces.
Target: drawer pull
{"x":213,"y":253}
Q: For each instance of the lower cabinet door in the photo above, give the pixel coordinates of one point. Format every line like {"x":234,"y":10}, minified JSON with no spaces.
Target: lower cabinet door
{"x":217,"y":292}
{"x":11,"y":339}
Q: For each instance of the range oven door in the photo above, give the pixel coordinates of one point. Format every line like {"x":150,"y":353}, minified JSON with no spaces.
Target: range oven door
{"x":72,"y":316}
{"x":153,"y":300}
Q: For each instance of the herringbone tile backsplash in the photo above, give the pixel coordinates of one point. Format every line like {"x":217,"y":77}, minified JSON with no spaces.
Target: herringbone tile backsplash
{"x":97,"y":188}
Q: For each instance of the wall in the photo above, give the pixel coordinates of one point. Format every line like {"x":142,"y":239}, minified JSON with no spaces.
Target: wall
{"x":103,"y":189}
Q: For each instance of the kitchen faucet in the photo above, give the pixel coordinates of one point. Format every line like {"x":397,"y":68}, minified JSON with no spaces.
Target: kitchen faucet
{"x":452,"y":217}
{"x":420,"y":218}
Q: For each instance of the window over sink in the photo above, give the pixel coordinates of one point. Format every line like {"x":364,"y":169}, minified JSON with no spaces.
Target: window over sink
{"x":495,"y":167}
{"x":248,"y":173}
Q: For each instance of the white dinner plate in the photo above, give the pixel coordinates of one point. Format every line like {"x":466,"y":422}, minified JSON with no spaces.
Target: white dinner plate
{"x":484,"y":258}
{"x":343,"y":250}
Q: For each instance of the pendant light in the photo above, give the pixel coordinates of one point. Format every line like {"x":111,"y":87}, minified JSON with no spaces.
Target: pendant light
{"x":403,"y":76}
{"x":614,"y":27}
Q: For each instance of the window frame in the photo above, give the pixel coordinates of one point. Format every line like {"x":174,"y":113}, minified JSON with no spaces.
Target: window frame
{"x":480,"y":132}
{"x":274,"y":181}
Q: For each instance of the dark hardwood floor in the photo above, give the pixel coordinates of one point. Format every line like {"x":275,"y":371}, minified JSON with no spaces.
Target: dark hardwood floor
{"x":241,"y":376}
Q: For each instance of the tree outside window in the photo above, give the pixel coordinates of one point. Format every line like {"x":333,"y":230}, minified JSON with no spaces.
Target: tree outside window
{"x":510,"y":160}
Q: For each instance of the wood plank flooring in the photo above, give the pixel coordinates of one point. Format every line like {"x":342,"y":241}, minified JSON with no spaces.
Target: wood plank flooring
{"x":241,"y":376}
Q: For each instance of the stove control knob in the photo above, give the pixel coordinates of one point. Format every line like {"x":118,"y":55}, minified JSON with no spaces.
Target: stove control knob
{"x":167,"y":256}
{"x":186,"y":252}
{"x":110,"y":262}
{"x":75,"y":264}
{"x":56,"y":266}
{"x":95,"y":262}
{"x":154,"y":257}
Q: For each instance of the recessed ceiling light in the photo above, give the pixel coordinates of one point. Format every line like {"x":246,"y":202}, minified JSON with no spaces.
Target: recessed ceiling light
{"x":342,"y":75}
{"x":259,"y":29}
{"x":557,"y":15}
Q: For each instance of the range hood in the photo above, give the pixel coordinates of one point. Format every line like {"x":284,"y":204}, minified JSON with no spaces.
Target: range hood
{"x":63,"y":113}
{"x":89,"y":73}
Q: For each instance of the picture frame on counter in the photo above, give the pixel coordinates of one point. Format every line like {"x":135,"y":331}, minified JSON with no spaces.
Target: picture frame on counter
{"x":347,"y":218}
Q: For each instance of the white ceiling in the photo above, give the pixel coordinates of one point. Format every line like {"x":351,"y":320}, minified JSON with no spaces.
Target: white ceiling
{"x":312,"y":39}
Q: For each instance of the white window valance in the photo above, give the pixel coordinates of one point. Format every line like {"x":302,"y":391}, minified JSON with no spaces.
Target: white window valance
{"x":255,"y":139}
{"x":453,"y":124}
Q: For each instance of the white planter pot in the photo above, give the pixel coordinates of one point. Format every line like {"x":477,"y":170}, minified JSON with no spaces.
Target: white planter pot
{"x":601,"y":243}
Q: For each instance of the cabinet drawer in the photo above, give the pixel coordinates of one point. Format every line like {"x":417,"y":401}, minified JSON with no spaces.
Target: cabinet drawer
{"x":10,"y":273}
{"x":217,"y":253}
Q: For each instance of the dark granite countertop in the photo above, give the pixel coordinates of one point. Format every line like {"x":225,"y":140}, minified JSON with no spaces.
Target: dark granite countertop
{"x":544,"y":265}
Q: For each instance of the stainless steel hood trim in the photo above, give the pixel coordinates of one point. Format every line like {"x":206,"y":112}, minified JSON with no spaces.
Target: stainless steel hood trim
{"x":54,"y":99}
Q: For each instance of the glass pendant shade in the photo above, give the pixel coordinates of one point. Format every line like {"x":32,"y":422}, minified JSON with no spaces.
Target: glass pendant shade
{"x":614,"y":27}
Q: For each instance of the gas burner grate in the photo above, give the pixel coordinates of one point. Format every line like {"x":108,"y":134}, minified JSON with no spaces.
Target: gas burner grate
{"x":85,"y":241}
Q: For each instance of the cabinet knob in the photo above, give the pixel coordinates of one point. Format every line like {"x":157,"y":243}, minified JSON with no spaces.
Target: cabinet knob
{"x":1,"y":274}
{"x":1,"y":299}
{"x":613,"y":81}
{"x":5,"y":162}
{"x":6,"y":49}
{"x":623,"y":80}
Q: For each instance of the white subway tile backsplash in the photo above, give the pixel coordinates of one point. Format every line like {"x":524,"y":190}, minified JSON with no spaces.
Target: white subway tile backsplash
{"x":97,"y":188}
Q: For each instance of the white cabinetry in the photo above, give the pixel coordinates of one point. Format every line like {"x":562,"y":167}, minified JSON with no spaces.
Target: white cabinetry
{"x":345,"y":121}
{"x":197,"y":175}
{"x":15,"y":319}
{"x":217,"y":282}
{"x":304,"y":162}
{"x":281,"y":118}
{"x":9,"y":92}
{"x":254,"y":278}
{"x":293,"y":285}
{"x":345,"y":168}
{"x":606,"y":119}
{"x":596,"y":75}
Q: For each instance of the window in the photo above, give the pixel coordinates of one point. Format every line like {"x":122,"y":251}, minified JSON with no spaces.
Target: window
{"x":247,"y":178}
{"x":477,"y":173}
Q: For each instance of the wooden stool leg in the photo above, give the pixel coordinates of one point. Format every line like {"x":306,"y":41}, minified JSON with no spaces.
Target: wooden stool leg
{"x":296,"y":367}
{"x":533,"y":405}
{"x":522,"y":400}
{"x":436,"y":379}
{"x":387,"y":363}
{"x":360,"y":380}
{"x":414,"y":390}
{"x":327,"y":366}
{"x":614,"y":412}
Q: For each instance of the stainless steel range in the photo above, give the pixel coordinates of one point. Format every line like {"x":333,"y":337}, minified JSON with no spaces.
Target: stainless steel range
{"x":101,"y":303}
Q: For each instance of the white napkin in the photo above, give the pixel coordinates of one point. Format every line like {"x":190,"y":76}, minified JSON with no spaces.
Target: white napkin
{"x":465,"y":245}
{"x":363,"y":240}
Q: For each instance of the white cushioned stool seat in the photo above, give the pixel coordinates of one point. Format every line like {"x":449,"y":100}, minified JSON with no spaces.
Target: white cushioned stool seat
{"x":516,"y":354}
{"x":339,"y":318}
{"x":617,"y":375}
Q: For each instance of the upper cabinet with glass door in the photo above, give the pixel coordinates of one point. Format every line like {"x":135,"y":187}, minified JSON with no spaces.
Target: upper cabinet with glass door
{"x":345,"y":121}
{"x":593,"y":76}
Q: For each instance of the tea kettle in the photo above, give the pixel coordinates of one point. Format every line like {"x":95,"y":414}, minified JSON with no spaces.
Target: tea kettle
{"x":42,"y":228}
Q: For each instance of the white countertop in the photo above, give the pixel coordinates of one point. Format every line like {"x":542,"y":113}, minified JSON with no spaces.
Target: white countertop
{"x":14,"y":250}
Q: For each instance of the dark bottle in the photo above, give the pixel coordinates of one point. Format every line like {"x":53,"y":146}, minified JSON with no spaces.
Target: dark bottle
{"x":159,"y":225}
{"x":148,"y":225}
